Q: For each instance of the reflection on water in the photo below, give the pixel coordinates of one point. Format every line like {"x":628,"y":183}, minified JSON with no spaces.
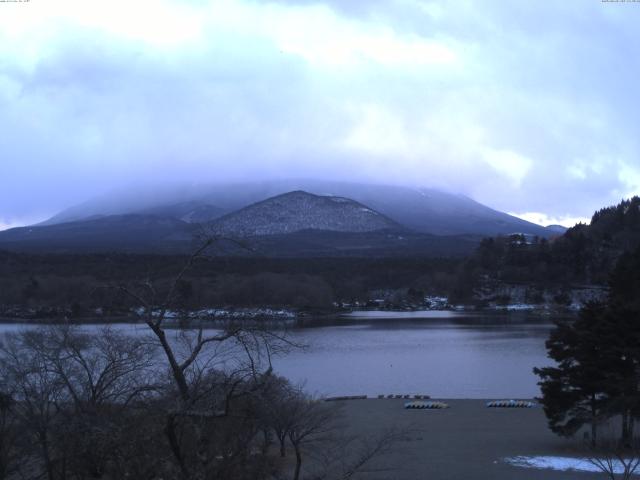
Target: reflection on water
{"x":442,"y":354}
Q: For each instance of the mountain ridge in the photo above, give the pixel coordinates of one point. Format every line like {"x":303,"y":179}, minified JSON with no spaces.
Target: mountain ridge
{"x":296,"y":223}
{"x":125,"y":233}
{"x":425,"y":210}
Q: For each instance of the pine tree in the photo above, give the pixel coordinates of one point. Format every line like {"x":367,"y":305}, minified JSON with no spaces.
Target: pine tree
{"x":573,"y":392}
{"x":598,"y":360}
{"x":624,"y":324}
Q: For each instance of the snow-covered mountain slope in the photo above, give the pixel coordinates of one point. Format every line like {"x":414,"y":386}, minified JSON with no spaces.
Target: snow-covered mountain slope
{"x":299,"y":210}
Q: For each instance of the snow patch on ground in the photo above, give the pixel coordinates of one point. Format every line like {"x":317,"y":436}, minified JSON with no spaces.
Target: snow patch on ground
{"x":563,"y":464}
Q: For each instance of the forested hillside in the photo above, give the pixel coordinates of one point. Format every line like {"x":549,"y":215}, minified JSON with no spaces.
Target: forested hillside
{"x":585,"y":254}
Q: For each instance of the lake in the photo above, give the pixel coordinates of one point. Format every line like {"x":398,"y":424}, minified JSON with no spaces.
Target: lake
{"x":442,"y":354}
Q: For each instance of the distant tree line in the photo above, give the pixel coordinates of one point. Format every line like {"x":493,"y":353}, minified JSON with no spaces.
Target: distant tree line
{"x":74,"y":283}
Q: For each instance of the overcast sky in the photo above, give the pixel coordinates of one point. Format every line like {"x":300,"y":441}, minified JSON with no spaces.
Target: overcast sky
{"x":530,"y":107}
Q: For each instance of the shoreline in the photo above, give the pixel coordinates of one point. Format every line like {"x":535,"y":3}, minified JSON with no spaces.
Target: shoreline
{"x":290,"y":315}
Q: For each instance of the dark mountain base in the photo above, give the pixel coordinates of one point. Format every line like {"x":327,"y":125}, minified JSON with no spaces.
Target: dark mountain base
{"x":156,"y":235}
{"x":306,"y":244}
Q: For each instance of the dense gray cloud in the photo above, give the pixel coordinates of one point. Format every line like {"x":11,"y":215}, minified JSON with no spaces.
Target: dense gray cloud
{"x":528,"y":106}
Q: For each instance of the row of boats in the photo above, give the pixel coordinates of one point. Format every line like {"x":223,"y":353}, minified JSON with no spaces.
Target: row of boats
{"x":418,"y":405}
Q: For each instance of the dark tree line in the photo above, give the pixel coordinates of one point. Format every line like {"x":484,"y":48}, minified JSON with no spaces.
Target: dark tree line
{"x":70,"y":285}
{"x":584,"y":254}
{"x":597,"y":377}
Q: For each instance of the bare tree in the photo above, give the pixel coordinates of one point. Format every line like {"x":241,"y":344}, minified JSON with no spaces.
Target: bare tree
{"x":276,"y":409}
{"x":38,"y":394}
{"x":72,"y":389}
{"x":212,"y":373}
{"x":103,"y":372}
{"x":349,"y":456}
{"x":9,"y":437}
{"x":313,"y":422}
{"x":98,"y":368}
{"x":616,"y":460}
{"x":316,"y":432}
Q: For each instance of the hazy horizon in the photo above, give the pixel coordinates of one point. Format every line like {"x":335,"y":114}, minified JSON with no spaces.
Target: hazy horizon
{"x":528,"y":107}
{"x":167,"y":192}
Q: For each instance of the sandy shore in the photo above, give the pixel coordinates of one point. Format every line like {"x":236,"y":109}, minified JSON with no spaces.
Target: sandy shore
{"x":467,"y":441}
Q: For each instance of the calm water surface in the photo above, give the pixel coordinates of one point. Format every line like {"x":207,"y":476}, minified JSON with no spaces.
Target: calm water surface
{"x":442,"y":354}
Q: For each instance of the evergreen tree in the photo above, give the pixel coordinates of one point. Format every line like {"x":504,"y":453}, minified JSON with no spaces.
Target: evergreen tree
{"x":573,"y":392}
{"x":624,"y":324}
{"x":598,"y":360}
{"x":624,"y":283}
{"x":622,"y":362}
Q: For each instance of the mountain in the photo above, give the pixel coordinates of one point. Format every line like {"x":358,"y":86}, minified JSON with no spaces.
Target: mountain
{"x":373,"y":244}
{"x":421,"y":209}
{"x":190,"y":212}
{"x":135,"y":199}
{"x":296,"y":211}
{"x":556,"y":229}
{"x":294,"y":224}
{"x":125,"y":233}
